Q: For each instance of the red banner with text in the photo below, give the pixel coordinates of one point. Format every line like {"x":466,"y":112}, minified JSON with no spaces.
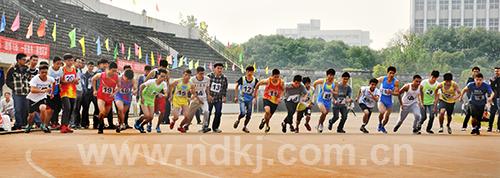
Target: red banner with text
{"x":13,"y":46}
{"x":136,"y":66}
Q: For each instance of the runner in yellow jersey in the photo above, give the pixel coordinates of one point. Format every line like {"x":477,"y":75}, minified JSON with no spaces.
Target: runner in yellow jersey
{"x":180,"y":98}
{"x":448,"y":94}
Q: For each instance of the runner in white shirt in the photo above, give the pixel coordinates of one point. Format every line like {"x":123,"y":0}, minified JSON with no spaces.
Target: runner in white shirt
{"x":367,"y":97}
{"x":41,"y":86}
{"x":411,"y":102}
{"x":201,"y":85}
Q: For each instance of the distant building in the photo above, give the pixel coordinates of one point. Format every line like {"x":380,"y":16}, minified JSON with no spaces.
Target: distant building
{"x":454,"y":13}
{"x":313,"y":30}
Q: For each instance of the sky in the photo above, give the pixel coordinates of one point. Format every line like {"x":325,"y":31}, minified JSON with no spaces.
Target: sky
{"x":239,"y":20}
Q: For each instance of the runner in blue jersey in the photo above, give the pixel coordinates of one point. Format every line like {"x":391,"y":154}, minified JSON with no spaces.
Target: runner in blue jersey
{"x":389,"y":86}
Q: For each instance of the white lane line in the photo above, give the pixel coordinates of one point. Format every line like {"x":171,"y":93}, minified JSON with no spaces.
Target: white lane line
{"x":27,"y":155}
{"x":268,"y":159}
{"x":175,"y":166}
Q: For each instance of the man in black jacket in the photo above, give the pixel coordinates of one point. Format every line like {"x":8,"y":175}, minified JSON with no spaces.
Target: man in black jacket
{"x":18,"y":81}
{"x":88,"y":97}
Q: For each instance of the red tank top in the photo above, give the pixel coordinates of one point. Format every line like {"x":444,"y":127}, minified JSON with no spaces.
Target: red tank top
{"x":107,"y":86}
{"x":68,"y":89}
{"x":273,"y":91}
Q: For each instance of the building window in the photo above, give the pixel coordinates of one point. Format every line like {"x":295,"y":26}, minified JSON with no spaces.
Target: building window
{"x":455,"y":22}
{"x":468,"y":22}
{"x":419,"y":26}
{"x":443,"y":22}
{"x":456,"y":4}
{"x":431,"y":23}
{"x":468,"y":4}
{"x":443,"y":4}
{"x":481,"y":23}
{"x":494,"y":24}
{"x":481,"y":4}
{"x":494,"y":4}
{"x":419,"y":5}
{"x":431,"y":5}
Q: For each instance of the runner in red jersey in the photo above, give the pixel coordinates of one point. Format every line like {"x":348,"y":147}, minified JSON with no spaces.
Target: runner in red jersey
{"x":108,"y":86}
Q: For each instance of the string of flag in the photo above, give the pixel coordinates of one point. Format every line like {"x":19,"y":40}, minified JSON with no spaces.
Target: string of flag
{"x":119,"y":47}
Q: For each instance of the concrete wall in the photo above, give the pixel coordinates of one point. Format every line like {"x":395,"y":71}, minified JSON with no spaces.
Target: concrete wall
{"x":139,"y":19}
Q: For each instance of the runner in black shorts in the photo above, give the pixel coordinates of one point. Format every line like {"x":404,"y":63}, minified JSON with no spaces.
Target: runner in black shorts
{"x":367,"y":97}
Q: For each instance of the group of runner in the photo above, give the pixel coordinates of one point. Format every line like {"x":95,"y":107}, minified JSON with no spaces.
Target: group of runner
{"x":191,"y":94}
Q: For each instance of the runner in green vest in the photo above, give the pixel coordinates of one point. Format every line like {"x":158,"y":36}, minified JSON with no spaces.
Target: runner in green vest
{"x":428,"y":94}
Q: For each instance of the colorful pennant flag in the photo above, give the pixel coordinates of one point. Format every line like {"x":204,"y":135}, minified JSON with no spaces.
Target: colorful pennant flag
{"x":267,"y":70}
{"x":115,"y":53}
{"x":169,"y":60}
{"x":147,"y":59}
{"x":234,"y":67}
{"x":30,"y":30}
{"x":98,"y":49}
{"x":72,"y":38}
{"x":241,"y":57}
{"x":174,"y":62}
{"x":3,"y":23}
{"x":82,"y":44}
{"x":254,"y":66}
{"x":16,"y":23}
{"x":41,"y":29}
{"x":181,"y":61}
{"x":54,"y":32}
{"x":122,"y":46}
{"x":191,"y":64}
{"x":241,"y":68}
{"x":128,"y":56}
{"x":136,"y":49}
{"x":197,"y":64}
{"x":106,"y":44}
{"x":152,"y":59}
{"x":140,"y":53}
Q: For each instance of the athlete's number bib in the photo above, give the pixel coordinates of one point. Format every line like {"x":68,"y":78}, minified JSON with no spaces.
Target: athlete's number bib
{"x":216,"y":87}
{"x":327,"y":95}
{"x":125,"y":90}
{"x":341,"y":100}
{"x":294,"y":98}
{"x":247,"y":89}
{"x":107,"y":90}
{"x":368,"y":100}
{"x":57,"y":81}
{"x":181,"y":93}
{"x":273,"y":93}
{"x":69,"y":78}
{"x":429,"y":92}
{"x":411,"y":98}
{"x":200,"y":93}
{"x":387,"y":92}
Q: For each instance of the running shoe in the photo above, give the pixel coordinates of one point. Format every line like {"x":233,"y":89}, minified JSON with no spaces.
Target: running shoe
{"x":363,"y":129}
{"x":261,"y":125}
{"x":283,"y":127}
{"x":308,"y":127}
{"x":245,"y":130}
{"x":236,"y":123}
